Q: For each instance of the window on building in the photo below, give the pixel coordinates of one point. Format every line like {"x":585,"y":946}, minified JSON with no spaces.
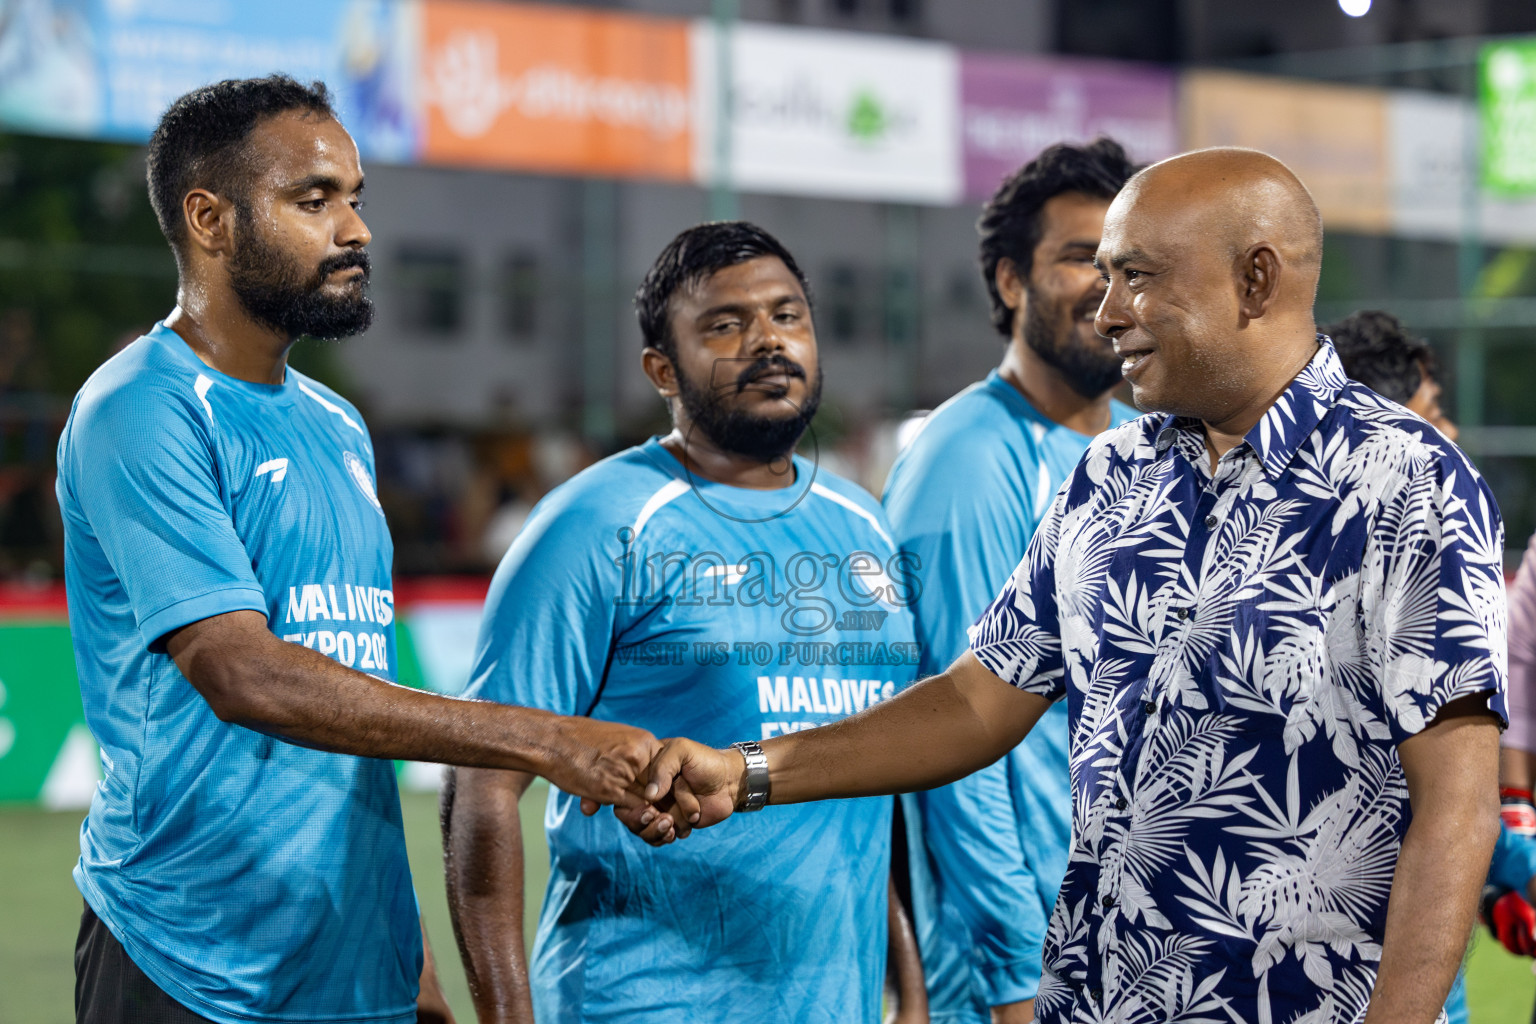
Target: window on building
{"x":845,"y":8}
{"x":430,"y":286}
{"x":520,"y":287}
{"x":902,"y":300}
{"x":963,"y":289}
{"x":906,"y":12}
{"x":843,"y":302}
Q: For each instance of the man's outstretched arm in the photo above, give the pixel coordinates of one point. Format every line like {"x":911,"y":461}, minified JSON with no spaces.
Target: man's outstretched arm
{"x":945,"y":727}
{"x":252,"y":678}
{"x":1452,"y":773}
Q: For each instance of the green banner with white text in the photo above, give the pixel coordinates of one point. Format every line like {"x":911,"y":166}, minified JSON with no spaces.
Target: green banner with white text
{"x":1506,"y":79}
{"x":48,"y":756}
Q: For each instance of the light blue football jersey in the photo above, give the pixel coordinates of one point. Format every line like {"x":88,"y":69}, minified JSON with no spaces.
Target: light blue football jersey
{"x":636,"y":594}
{"x":987,"y":853}
{"x":251,"y":879}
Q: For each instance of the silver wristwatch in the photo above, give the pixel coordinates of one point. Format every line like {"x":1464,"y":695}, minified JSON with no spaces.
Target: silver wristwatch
{"x":756,"y":797}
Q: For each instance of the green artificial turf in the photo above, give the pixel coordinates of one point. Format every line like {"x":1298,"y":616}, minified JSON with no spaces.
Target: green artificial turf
{"x":40,"y":912}
{"x":1500,"y":986}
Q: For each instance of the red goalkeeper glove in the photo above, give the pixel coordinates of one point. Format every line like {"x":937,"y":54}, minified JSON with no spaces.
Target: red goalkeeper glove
{"x":1517,"y":812}
{"x":1511,"y":919}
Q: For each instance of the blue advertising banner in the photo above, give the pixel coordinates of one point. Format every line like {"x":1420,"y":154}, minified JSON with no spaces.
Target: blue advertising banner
{"x":108,"y":68}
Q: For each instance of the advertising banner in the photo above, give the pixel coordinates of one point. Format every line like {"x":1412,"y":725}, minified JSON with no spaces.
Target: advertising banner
{"x":1433,"y":143}
{"x":152,"y":51}
{"x":557,"y":90}
{"x":1506,"y":80}
{"x":1011,"y":108}
{"x":834,"y":114}
{"x":51,"y":77}
{"x":109,"y":68}
{"x":1427,"y":143}
{"x":1334,"y":137}
{"x":48,"y":755}
{"x":39,"y":716}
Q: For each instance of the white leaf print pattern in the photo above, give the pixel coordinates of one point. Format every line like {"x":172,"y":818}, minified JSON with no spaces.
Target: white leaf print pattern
{"x":1241,"y":651}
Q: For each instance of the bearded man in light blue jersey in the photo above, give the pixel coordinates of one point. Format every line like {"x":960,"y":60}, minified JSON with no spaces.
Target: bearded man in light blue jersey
{"x":964,"y":497}
{"x":228,"y":570}
{"x":714,"y":582}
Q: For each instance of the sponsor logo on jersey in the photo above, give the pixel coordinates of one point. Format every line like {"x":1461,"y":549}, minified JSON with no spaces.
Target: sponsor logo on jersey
{"x":277,"y":467}
{"x":360,"y":476}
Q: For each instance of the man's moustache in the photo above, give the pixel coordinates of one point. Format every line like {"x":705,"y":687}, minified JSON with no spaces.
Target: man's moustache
{"x":764,"y":368}
{"x":345,"y":261}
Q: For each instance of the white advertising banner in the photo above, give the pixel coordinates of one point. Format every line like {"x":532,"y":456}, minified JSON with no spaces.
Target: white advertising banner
{"x":832,"y":114}
{"x":1432,"y":143}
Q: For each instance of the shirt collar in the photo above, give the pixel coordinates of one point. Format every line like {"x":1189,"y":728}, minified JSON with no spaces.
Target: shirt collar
{"x":1295,"y":414}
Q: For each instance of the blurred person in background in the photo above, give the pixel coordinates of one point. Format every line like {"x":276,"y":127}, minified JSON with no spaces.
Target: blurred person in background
{"x":634,"y":593}
{"x":228,"y":566}
{"x":988,"y":852}
{"x":1377,"y":350}
{"x":1510,"y":896}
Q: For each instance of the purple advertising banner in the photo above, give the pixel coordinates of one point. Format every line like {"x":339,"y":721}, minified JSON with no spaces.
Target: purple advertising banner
{"x":1011,"y":108}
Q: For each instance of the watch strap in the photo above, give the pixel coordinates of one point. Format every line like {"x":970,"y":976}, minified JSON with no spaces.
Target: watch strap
{"x":757,"y":785}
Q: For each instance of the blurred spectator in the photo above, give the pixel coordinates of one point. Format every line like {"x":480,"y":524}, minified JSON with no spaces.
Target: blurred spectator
{"x":30,"y":419}
{"x":1377,"y":350}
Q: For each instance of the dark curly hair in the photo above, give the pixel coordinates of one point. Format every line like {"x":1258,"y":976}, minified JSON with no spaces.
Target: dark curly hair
{"x":692,"y":257}
{"x":1010,"y":222}
{"x":1377,"y":350}
{"x":202,"y":138}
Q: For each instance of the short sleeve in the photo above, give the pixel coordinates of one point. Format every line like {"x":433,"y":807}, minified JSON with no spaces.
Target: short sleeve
{"x":549,"y":615}
{"x":142,"y":472}
{"x":1432,"y":599}
{"x":1018,"y":638}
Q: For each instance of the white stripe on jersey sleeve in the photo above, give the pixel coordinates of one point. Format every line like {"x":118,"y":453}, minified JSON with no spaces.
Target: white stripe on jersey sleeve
{"x":201,"y":386}
{"x":332,"y":406}
{"x":670,"y":491}
{"x":853,"y":507}
{"x":1044,"y":492}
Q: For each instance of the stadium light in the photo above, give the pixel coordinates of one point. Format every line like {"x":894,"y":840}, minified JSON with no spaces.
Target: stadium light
{"x":1355,"y":8}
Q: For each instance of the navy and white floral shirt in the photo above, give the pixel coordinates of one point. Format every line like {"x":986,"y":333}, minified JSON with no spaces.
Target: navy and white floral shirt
{"x":1242,"y":652}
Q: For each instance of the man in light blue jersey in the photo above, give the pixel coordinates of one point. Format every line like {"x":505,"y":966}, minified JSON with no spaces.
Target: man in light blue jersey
{"x":711,"y":582}
{"x":988,"y":852}
{"x":228,"y":570}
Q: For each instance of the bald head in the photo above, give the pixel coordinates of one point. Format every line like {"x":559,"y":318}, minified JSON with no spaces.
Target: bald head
{"x":1239,"y":199}
{"x":1212,"y":260}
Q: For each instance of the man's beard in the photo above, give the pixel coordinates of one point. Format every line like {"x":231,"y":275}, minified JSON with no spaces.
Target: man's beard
{"x":740,"y":432}
{"x":273,"y":289}
{"x":1088,"y":372}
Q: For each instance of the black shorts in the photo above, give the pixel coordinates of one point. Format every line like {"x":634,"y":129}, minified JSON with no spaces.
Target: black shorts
{"x":110,"y":988}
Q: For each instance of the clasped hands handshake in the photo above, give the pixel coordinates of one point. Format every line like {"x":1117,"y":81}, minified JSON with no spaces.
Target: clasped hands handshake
{"x":660,"y":790}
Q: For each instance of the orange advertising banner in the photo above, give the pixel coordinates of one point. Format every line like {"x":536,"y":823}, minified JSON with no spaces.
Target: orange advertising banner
{"x":554,"y":89}
{"x":1333,"y":136}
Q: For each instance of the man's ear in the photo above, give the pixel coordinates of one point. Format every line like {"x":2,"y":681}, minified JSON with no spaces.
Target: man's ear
{"x":658,"y":366}
{"x":1010,"y":286}
{"x":209,"y":219}
{"x":1258,"y":273}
